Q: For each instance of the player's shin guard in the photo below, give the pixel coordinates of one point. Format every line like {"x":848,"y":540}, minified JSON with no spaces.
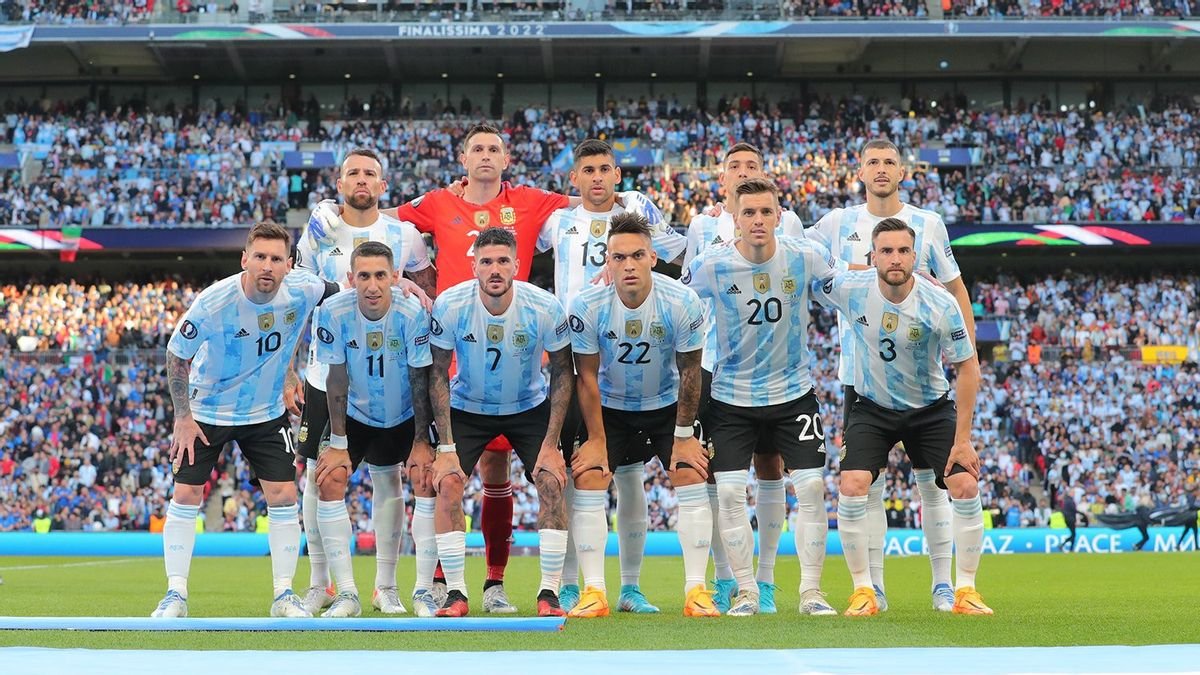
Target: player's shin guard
{"x":632,"y":520}
{"x":968,"y":540}
{"x":424,"y":542}
{"x":771,"y":509}
{"x":570,"y":575}
{"x":812,"y":525}
{"x":736,"y":532}
{"x":721,"y":566}
{"x":854,"y":529}
{"x":335,"y":528}
{"x":179,"y":539}
{"x":935,"y":521}
{"x":552,"y":549}
{"x":876,"y":529}
{"x":495,"y":518}
{"x":387,"y":503}
{"x":590,"y":531}
{"x":283,"y":538}
{"x":318,"y":567}
{"x":452,"y":549}
{"x":695,"y":531}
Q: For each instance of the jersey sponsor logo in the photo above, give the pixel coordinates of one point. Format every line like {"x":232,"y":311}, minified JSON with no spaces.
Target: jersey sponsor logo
{"x":853,"y":237}
{"x":335,"y":251}
{"x":633,"y":328}
{"x":456,"y":220}
{"x":598,"y":227}
{"x":291,"y":316}
{"x":949,"y":251}
{"x":716,"y":240}
{"x":482,"y":219}
{"x":435,"y":326}
{"x":914,"y":333}
{"x":242,"y":332}
{"x":188,"y":330}
{"x":788,"y":285}
{"x":576,"y":324}
{"x":733,"y":290}
{"x":422,"y":339}
{"x":610,"y":335}
{"x":374,"y":340}
{"x":762,"y":282}
{"x":561,"y":328}
{"x":324,"y":335}
{"x":658,"y":331}
{"x":959,"y":334}
{"x":520,"y":338}
{"x":417,"y":202}
{"x":470,"y":337}
{"x":352,"y":344}
{"x":862,"y":320}
{"x":508,"y":216}
{"x":495,"y":334}
{"x":890,"y":321}
{"x":572,"y":230}
{"x":266,"y":321}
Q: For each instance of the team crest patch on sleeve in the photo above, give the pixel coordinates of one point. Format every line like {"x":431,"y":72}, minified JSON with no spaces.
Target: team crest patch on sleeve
{"x":959,"y":334}
{"x":687,"y":277}
{"x":435,"y":327}
{"x":576,"y":324}
{"x":324,"y":335}
{"x":188,"y":330}
{"x":827,"y":287}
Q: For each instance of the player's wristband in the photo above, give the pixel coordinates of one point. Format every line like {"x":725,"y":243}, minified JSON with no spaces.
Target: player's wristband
{"x":684,"y":432}
{"x":446,"y":448}
{"x":338,"y":442}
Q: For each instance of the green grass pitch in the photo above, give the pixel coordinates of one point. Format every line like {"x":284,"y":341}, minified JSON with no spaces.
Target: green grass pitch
{"x":1040,"y":600}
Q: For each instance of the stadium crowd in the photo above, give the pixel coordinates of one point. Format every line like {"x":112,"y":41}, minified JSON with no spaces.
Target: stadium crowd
{"x":223,"y":164}
{"x":84,"y":437}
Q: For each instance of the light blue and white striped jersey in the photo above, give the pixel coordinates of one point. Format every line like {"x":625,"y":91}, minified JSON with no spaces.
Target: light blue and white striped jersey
{"x":898,"y":347}
{"x":637,"y":347}
{"x":240,"y":350}
{"x":499,"y":357}
{"x":847,"y":233}
{"x":377,"y":354}
{"x":705,"y":231}
{"x":579,"y":239}
{"x":760,"y":318}
{"x":330,"y":260}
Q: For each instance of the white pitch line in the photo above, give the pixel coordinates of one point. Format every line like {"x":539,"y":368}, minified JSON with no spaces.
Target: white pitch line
{"x":93,"y":563}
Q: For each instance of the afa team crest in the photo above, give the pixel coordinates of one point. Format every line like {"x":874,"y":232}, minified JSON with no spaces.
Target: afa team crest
{"x":762,"y":282}
{"x":375,"y":340}
{"x":914,"y":333}
{"x":658,"y":331}
{"x":520,"y":339}
{"x":789,"y":285}
{"x":495,"y":334}
{"x":394,"y":344}
{"x":890,"y":322}
{"x":290,"y":317}
{"x":266,"y":321}
{"x":508,"y":216}
{"x":633,"y":328}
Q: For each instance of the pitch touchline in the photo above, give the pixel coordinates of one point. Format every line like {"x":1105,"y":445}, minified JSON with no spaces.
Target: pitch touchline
{"x":77,"y":564}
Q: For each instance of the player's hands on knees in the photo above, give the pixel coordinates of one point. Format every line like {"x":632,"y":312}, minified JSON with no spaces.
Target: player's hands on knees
{"x":444,"y":466}
{"x":330,"y":462}
{"x":963,"y":454}
{"x":409,"y":287}
{"x":592,"y":454}
{"x":550,"y":459}
{"x":293,"y":392}
{"x":324,"y":220}
{"x":420,"y":466}
{"x":183,"y":441}
{"x":689,"y":451}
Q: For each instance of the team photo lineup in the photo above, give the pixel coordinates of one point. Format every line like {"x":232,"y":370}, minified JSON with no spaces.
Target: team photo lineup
{"x":690,"y":349}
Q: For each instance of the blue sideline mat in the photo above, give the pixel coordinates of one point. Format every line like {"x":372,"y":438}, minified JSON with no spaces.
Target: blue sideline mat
{"x":96,"y":623}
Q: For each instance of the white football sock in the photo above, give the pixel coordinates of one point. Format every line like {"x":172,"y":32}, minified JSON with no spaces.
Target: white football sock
{"x":318,"y":568}
{"x":283,"y":538}
{"x":590,"y":526}
{"x":853,"y":525}
{"x":735,"y":527}
{"x":387,"y":506}
{"x":812,"y":525}
{"x":968,"y":540}
{"x":694,"y":528}
{"x":876,"y":529}
{"x":452,"y":549}
{"x":179,"y":539}
{"x":936,"y":522}
{"x":632,"y":520}
{"x":771,"y":500}
{"x":552,"y":549}
{"x":721,"y":568}
{"x":570,"y":574}
{"x":424,"y":542}
{"x":336,"y":530}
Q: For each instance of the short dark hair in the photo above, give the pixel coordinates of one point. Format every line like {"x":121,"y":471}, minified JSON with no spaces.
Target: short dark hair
{"x":629,"y":223}
{"x":879,"y":144}
{"x":480,"y":129}
{"x":372,"y":249}
{"x":269,"y":230}
{"x":362,"y":152}
{"x":495,"y":236}
{"x":756,"y":186}
{"x":742,"y":147}
{"x":591,"y":148}
{"x":892,"y":225}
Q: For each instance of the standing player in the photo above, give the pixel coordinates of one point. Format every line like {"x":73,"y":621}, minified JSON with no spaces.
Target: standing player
{"x":498,"y":329}
{"x":375,"y":342}
{"x":227,"y":361}
{"x":902,"y":327}
{"x":360,"y":183}
{"x":579,"y":238}
{"x":743,"y":161}
{"x":847,"y":234}
{"x":762,"y":389}
{"x":637,"y":350}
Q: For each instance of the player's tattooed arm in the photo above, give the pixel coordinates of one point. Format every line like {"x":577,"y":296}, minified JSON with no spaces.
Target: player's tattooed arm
{"x":552,"y":514}
{"x":439,"y":392}
{"x":418,"y":381}
{"x":689,"y":387}
{"x":562,"y":383}
{"x":177,"y":382}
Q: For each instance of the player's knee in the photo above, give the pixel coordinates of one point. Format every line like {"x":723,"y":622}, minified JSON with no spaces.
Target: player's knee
{"x":450,"y":490}
{"x":731,"y":496}
{"x":854,"y":483}
{"x":962,"y":486}
{"x":684,"y":476}
{"x":493,"y":467}
{"x":768,"y":466}
{"x":188,"y":495}
{"x":810,"y":488}
{"x":592,"y":480}
{"x":334,"y":489}
{"x":280,"y":493}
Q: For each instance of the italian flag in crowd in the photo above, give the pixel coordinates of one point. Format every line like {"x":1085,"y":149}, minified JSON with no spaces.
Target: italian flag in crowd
{"x":71,"y":234}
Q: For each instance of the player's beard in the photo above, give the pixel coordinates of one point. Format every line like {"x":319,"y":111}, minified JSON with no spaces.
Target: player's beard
{"x":887,"y":278}
{"x":486,"y":287}
{"x":883,"y":193}
{"x":361,"y":202}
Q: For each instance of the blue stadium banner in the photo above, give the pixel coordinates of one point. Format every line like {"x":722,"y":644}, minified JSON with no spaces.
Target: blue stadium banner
{"x":319,"y":159}
{"x":951,"y":156}
{"x":9,"y":161}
